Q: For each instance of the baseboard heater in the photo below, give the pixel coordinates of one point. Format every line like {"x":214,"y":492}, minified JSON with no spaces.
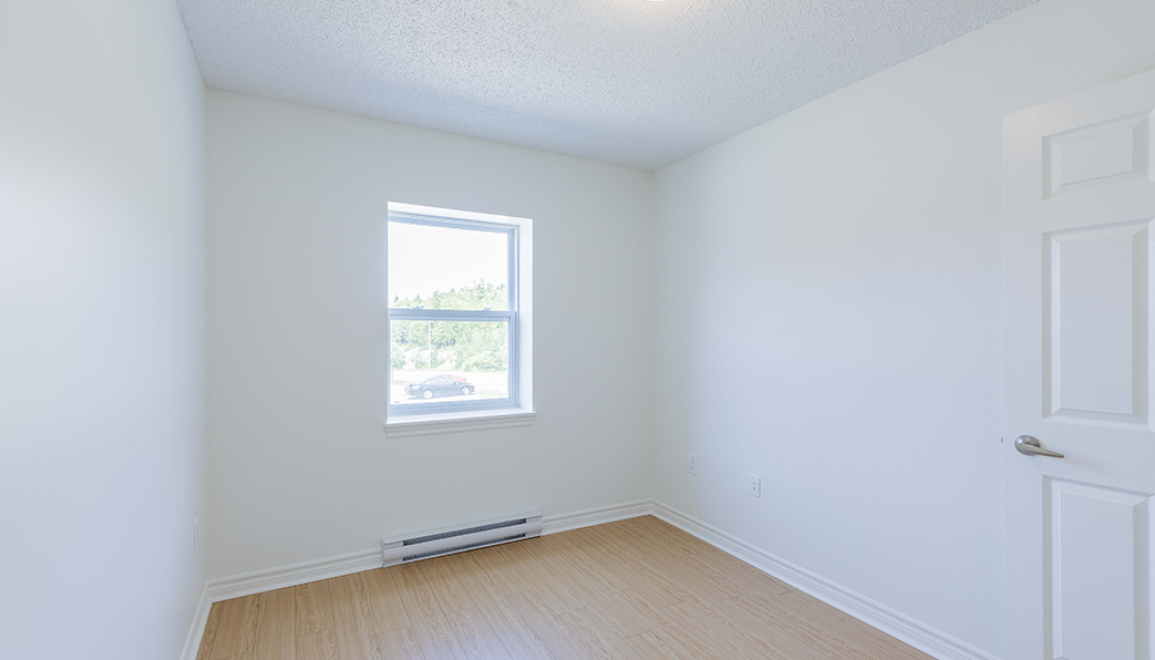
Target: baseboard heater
{"x":439,"y":542}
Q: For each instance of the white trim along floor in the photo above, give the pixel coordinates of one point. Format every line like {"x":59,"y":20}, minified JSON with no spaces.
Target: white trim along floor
{"x":896,"y":624}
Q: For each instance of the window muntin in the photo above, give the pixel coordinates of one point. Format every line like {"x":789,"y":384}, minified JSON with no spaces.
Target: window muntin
{"x":453,"y":319}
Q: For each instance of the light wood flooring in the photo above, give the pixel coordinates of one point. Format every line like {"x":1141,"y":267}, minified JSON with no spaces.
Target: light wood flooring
{"x":632,"y":590}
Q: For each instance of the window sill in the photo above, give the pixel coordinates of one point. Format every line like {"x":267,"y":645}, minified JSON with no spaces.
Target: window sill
{"x":436,"y":424}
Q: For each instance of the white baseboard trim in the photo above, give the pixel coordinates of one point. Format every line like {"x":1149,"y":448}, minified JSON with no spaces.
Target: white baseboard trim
{"x":193,"y":641}
{"x":292,"y":575}
{"x":597,"y":516}
{"x":320,"y":569}
{"x":900,"y":626}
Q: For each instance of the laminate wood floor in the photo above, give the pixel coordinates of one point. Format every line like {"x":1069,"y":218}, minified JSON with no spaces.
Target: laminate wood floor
{"x":638,"y":589}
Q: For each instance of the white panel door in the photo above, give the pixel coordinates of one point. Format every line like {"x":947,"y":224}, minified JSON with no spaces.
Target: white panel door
{"x":1078,"y":204}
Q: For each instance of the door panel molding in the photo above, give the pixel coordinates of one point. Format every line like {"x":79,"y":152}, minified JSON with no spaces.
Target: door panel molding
{"x":1096,"y":287}
{"x":1099,"y":154}
{"x":1098,"y":542}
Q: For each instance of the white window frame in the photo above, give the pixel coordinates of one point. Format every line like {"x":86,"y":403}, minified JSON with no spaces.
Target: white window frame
{"x":516,"y":409}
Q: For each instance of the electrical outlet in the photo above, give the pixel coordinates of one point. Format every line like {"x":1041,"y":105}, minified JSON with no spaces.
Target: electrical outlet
{"x":196,"y":534}
{"x":693,"y":464}
{"x":755,"y":486}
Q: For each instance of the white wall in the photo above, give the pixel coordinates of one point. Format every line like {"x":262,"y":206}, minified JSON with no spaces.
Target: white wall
{"x":101,"y":329}
{"x":300,"y":467}
{"x":829,"y":315}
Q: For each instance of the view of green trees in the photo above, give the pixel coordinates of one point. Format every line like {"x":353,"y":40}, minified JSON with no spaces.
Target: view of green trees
{"x":452,"y":345}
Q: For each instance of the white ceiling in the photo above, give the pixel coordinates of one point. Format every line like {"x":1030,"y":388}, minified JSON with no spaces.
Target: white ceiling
{"x":626,"y":81}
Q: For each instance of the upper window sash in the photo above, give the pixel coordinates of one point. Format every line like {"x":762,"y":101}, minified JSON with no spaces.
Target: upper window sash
{"x":473,"y":225}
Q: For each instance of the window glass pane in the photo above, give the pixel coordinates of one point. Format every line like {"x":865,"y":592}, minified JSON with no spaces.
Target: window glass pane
{"x":447,"y":268}
{"x":437,"y":361}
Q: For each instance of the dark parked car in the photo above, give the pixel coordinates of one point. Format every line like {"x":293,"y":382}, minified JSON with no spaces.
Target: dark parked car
{"x":444,"y":385}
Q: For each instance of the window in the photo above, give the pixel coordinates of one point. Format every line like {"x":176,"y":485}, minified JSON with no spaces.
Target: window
{"x":458,"y":313}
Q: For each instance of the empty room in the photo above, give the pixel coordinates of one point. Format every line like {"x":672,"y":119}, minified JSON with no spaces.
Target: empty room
{"x":577,"y":329}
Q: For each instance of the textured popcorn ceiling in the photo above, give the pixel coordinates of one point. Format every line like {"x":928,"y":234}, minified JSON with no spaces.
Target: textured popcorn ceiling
{"x":627,"y":81}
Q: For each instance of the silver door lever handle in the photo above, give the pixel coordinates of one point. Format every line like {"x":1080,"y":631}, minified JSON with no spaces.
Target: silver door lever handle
{"x":1030,"y":445}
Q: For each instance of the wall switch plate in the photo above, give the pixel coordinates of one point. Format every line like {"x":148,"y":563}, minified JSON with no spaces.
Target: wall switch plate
{"x":755,"y":486}
{"x":693,"y":464}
